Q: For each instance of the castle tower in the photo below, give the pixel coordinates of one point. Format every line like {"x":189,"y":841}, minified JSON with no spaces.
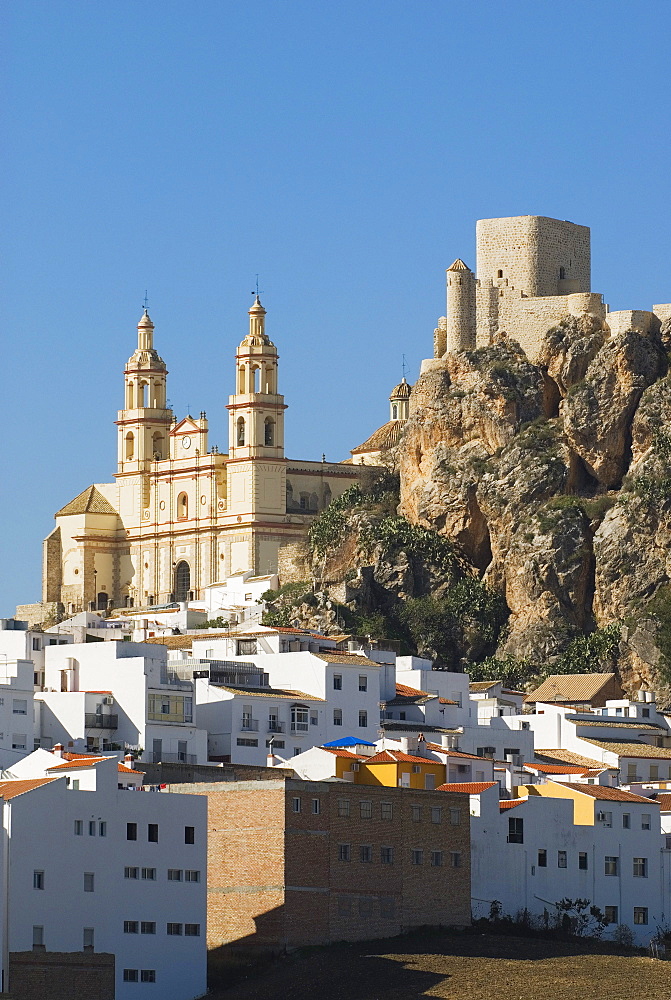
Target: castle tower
{"x":145,"y":421}
{"x":461,"y":322}
{"x":399,"y":401}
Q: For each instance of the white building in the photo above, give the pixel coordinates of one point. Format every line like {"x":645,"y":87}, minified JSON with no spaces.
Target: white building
{"x":89,"y":867}
{"x":16,"y":705}
{"x":120,"y":695}
{"x":238,"y":599}
{"x":18,"y":642}
{"x":572,"y":842}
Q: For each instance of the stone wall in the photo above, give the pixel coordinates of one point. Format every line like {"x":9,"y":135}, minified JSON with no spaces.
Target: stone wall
{"x":293,"y":563}
{"x":45,"y":975}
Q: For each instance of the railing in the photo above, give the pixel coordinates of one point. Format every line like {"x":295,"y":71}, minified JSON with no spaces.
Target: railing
{"x":299,"y":727}
{"x":276,"y":727}
{"x":249,"y":725}
{"x":93,"y":721}
{"x":171,"y":758}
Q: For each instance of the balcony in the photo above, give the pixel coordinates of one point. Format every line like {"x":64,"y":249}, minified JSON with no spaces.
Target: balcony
{"x":299,"y":727}
{"x":275,"y":727}
{"x":249,"y":725}
{"x":171,"y":758}
{"x":93,"y":721}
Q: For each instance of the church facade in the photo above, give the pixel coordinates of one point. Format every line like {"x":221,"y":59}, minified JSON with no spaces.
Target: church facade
{"x":179,"y":515}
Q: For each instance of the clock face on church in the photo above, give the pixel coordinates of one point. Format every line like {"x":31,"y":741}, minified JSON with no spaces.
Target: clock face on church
{"x":186,"y":442}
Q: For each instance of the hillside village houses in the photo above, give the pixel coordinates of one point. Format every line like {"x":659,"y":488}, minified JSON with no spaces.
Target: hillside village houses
{"x":388,"y":794}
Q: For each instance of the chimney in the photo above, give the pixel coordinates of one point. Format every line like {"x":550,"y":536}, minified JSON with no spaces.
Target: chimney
{"x":421,"y":746}
{"x":445,"y":741}
{"x":128,"y":759}
{"x":58,"y":749}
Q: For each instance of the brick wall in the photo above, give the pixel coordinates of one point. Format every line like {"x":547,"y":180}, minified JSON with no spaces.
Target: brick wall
{"x":44,"y":975}
{"x":280,"y":877}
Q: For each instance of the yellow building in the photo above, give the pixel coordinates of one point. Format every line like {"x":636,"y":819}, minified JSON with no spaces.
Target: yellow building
{"x":179,"y":515}
{"x":389,"y":768}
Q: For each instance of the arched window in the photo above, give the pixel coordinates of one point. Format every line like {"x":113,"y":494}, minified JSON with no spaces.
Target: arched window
{"x":300,"y":719}
{"x":256,"y":380}
{"x":499,"y":274}
{"x":130,"y":395}
{"x":270,"y":381}
{"x":269,"y":431}
{"x":142,"y":394}
{"x":157,"y":445}
{"x":562,"y":273}
{"x":394,"y":411}
{"x":130,"y":446}
{"x":102,"y":602}
{"x":241,"y":379}
{"x":182,"y":581}
{"x":182,"y":506}
{"x":241,"y":431}
{"x":290,"y":495}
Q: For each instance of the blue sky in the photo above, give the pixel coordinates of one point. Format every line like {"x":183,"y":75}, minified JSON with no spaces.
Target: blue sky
{"x":343,"y":151}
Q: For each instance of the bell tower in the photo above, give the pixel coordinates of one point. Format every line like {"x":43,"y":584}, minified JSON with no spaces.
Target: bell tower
{"x":145,"y":421}
{"x":256,"y":428}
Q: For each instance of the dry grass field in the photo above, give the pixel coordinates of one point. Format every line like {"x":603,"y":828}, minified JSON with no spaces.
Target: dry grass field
{"x":456,"y":967}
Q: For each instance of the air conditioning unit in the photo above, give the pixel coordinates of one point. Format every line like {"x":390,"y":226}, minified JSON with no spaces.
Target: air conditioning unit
{"x":108,"y":701}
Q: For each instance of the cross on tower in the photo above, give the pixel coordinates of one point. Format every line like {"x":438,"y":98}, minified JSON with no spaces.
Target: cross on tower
{"x":146,"y":300}
{"x":257,"y":292}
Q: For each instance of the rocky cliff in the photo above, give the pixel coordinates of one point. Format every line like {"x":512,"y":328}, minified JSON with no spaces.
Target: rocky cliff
{"x":549,"y":484}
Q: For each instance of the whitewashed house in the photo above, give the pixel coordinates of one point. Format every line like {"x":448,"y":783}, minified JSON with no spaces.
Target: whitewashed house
{"x":120,"y":695}
{"x":88,"y":867}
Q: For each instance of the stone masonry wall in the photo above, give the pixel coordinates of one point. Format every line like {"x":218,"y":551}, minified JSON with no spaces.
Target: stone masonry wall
{"x":44,"y":975}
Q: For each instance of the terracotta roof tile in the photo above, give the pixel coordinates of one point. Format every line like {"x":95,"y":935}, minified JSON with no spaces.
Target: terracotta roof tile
{"x":619,"y":723}
{"x":393,"y":756}
{"x":570,"y":687}
{"x":664,"y":802}
{"x":437,"y":748}
{"x":69,"y":765}
{"x":478,"y":686}
{"x":17,"y":786}
{"x":560,"y":756}
{"x":632,"y":749}
{"x":466,"y":787}
{"x":90,"y":501}
{"x":352,"y":658}
{"x":128,"y":770}
{"x":510,"y":803}
{"x":340,"y":752}
{"x":409,"y":692}
{"x":606,"y":793}
{"x":382,"y":439}
{"x":558,"y":768}
{"x":268,"y":692}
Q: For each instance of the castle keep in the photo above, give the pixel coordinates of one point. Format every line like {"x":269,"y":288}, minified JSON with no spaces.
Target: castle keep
{"x":531,"y":273}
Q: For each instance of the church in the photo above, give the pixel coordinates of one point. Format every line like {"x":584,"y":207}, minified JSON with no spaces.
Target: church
{"x":179,"y":515}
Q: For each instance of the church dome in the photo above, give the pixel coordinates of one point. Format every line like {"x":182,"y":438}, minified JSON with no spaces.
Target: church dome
{"x":401,"y":391}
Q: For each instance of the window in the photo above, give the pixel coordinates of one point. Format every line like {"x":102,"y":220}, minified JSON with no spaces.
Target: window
{"x":316,"y":807}
{"x":131,"y":872}
{"x":131,"y":831}
{"x":314,"y":718}
{"x":147,"y":927}
{"x":191,"y":875}
{"x":582,"y":861}
{"x":299,"y":719}
{"x":366,"y":809}
{"x":562,"y":273}
{"x":174,"y":874}
{"x":152,"y":833}
{"x":148,"y":976}
{"x":626,"y":821}
{"x":363,"y":719}
{"x":189,"y":835}
{"x":337,"y":682}
{"x":455,"y":859}
{"x":416,"y":814}
{"x":296,"y":805}
{"x":366,"y":853}
{"x":436,"y":814}
{"x":363,"y":682}
{"x":416,"y":768}
{"x":131,"y":927}
{"x":386,"y":810}
{"x":455,"y":817}
{"x":562,"y":859}
{"x":344,"y":852}
{"x":244,"y":741}
{"x":102,"y":829}
{"x":182,"y":506}
{"x":337,"y":716}
{"x":79,"y":827}
{"x":174,"y":929}
{"x":276,"y":744}
{"x":38,"y":936}
{"x":436,"y":859}
{"x":36,"y":644}
{"x":610,"y":914}
{"x":343,"y":807}
{"x":269,"y":427}
{"x":387,"y":855}
{"x":149,"y":874}
{"x":130,"y":976}
{"x":192,"y":930}
{"x":88,"y":938}
{"x":611,"y":865}
{"x":38,"y":880}
{"x":20,"y":706}
{"x":542,"y":858}
{"x":515,"y":830}
{"x":641,"y":867}
{"x":416,"y":857}
{"x":92,"y":828}
{"x":640,"y":914}
{"x":645,"y":821}
{"x":606,"y":818}
{"x":18,"y":741}
{"x":89,"y":881}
